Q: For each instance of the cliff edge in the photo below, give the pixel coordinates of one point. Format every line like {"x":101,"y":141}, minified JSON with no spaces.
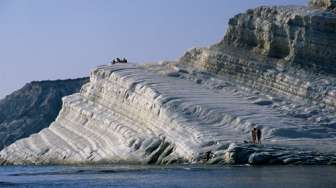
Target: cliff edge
{"x":274,"y":69}
{"x":33,"y":107}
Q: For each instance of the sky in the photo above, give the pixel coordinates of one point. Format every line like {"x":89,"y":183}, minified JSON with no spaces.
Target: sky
{"x":60,"y":39}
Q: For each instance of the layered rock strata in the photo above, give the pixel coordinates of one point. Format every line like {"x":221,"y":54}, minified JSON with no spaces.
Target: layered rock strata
{"x":130,"y":114}
{"x":286,"y":50}
{"x":33,"y":108}
{"x":262,"y":74}
{"x":296,"y":35}
{"x":324,"y":4}
{"x":274,"y":69}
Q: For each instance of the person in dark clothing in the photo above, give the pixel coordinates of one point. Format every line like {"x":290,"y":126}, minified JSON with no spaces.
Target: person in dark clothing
{"x":208,"y":155}
{"x":259,"y":134}
{"x":118,"y":60}
{"x":254,"y":135}
{"x":124,"y":60}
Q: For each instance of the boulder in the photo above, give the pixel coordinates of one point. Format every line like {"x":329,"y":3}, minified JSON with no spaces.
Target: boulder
{"x":260,"y":158}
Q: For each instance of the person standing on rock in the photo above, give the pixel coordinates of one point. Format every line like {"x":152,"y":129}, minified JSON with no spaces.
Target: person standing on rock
{"x":208,"y":155}
{"x":259,"y":134}
{"x":124,"y":60}
{"x":254,"y":135}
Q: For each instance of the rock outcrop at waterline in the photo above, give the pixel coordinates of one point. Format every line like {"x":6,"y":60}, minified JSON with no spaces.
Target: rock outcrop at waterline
{"x":130,"y":114}
{"x":175,"y":112}
{"x":33,"y":108}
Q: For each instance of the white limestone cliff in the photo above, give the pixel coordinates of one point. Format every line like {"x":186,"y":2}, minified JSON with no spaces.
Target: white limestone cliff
{"x":132,"y":114}
{"x":274,"y":69}
{"x":33,"y":107}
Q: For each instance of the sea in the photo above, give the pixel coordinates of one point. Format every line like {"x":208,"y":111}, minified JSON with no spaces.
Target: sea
{"x":133,"y":176}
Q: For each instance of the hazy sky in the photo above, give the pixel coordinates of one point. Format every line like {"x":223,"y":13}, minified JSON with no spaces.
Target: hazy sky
{"x":56,"y":39}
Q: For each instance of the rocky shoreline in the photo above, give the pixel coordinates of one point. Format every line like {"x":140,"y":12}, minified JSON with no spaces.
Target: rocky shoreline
{"x":274,"y":69}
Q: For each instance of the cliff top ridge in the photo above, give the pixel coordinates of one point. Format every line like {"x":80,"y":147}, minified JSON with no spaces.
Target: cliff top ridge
{"x":323,"y":4}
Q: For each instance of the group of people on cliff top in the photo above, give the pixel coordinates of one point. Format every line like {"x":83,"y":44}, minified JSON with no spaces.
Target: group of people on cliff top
{"x":256,"y":135}
{"x":118,"y":60}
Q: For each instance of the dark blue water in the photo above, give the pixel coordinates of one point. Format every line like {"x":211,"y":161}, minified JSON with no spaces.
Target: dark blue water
{"x":172,"y":177}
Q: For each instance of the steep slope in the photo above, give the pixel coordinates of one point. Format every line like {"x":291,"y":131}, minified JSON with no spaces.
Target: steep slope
{"x":286,"y":50}
{"x":129,"y":114}
{"x":274,"y":69}
{"x":33,"y":108}
{"x":325,"y":4}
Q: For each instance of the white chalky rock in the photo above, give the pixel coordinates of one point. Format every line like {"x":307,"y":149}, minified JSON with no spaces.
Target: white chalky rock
{"x":129,"y":114}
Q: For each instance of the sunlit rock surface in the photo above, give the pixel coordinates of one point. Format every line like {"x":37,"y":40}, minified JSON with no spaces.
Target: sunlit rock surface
{"x":289,"y":34}
{"x":274,"y":69}
{"x":324,"y":4}
{"x":33,"y":107}
{"x":287,"y":50}
{"x":133,"y":114}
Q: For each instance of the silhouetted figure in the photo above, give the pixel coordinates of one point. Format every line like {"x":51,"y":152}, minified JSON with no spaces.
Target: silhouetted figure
{"x":254,"y":135}
{"x":118,"y":60}
{"x":259,"y":134}
{"x":124,"y":60}
{"x":208,"y":155}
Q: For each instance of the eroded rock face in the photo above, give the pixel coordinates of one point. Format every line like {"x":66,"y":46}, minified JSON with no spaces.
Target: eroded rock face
{"x":133,"y":114}
{"x":256,"y":155}
{"x":296,"y":35}
{"x":274,"y":70}
{"x":324,"y":4}
{"x":266,"y":75}
{"x":33,"y":108}
{"x":286,"y":50}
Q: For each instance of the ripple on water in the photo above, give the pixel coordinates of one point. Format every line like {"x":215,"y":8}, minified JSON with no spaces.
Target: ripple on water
{"x":167,"y":177}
